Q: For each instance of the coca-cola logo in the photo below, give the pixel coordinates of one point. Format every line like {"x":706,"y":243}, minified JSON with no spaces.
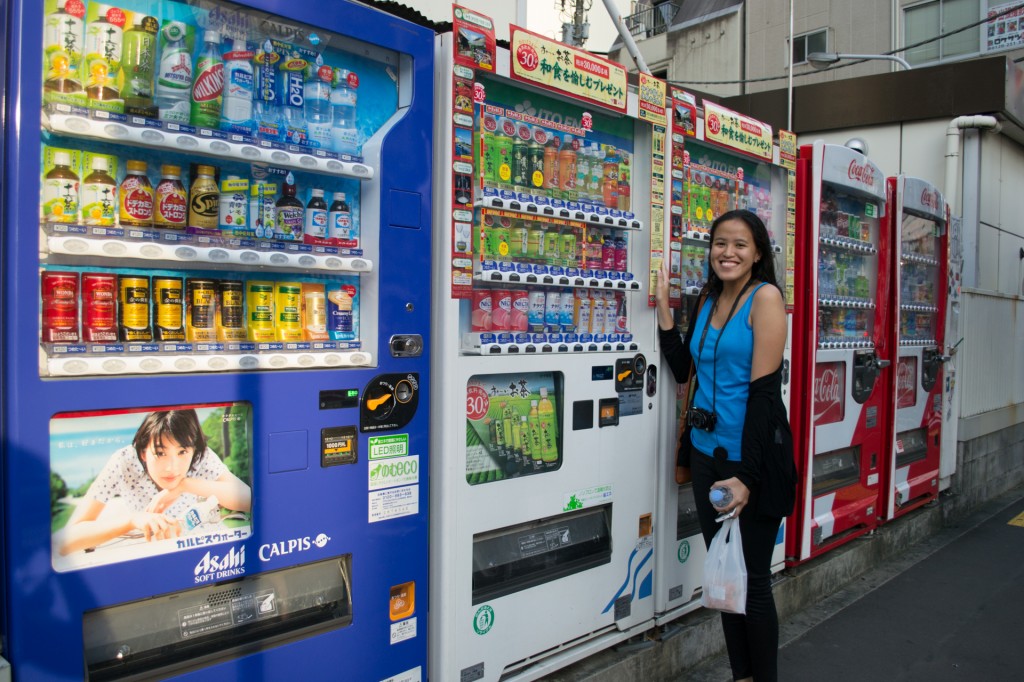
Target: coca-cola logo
{"x":930,"y":198}
{"x":829,"y":392}
{"x":906,"y":382}
{"x":861,"y":172}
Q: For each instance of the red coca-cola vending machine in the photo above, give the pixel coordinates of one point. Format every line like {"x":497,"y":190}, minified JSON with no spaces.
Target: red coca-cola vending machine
{"x":841,"y":350}
{"x":916,"y":237}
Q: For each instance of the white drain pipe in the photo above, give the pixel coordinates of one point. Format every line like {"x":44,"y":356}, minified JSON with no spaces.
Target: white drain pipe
{"x":953,"y":331}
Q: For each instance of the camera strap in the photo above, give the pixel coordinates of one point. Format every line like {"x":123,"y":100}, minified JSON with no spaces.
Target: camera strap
{"x":721,"y":333}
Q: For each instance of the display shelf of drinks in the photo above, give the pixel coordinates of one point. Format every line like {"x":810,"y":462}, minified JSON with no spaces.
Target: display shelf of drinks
{"x":519,"y":272}
{"x":848,"y":244}
{"x":154,"y":244}
{"x":843,"y":324}
{"x":533,"y":206}
{"x":919,"y":258}
{"x":141,"y":131}
{"x":89,"y":359}
{"x":545,"y":343}
{"x":916,"y":324}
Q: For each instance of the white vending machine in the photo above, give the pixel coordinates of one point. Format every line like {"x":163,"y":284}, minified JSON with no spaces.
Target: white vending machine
{"x":713,"y":170}
{"x":546,"y":420}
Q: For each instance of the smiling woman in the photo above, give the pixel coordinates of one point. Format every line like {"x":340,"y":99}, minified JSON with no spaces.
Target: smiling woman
{"x":738,"y":436}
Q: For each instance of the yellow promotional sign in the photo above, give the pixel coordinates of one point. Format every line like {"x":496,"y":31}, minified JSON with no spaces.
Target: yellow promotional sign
{"x":736,"y":131}
{"x":551,"y":65}
{"x":652,"y":100}
{"x":787,"y":149}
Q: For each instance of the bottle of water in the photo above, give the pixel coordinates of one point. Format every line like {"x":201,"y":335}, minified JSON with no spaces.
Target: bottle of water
{"x":174,"y":77}
{"x":236,"y":114}
{"x":344,"y":134}
{"x":317,"y":94}
{"x":291,"y":88}
{"x":721,"y":497}
{"x":267,"y":98}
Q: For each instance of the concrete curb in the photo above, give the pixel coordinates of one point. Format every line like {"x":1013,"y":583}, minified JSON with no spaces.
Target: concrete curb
{"x":691,"y":649}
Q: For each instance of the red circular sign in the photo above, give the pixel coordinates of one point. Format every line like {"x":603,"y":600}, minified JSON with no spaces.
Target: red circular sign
{"x":527,"y":57}
{"x":714,"y":125}
{"x":477,"y":403}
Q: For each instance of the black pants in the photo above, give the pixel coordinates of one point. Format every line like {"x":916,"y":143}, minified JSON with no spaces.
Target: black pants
{"x":752,"y":639}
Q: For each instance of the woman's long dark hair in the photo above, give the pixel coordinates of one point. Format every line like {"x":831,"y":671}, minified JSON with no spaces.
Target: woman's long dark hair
{"x":764,"y":268}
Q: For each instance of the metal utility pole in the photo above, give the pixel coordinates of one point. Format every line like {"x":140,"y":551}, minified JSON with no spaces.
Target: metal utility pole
{"x":577,"y":31}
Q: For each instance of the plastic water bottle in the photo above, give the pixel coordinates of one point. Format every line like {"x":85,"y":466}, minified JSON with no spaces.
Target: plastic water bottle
{"x":720,"y":497}
{"x":266,"y":96}
{"x":317,"y":93}
{"x":174,"y":77}
{"x":238,"y":88}
{"x":344,"y":134}
{"x":291,"y":89}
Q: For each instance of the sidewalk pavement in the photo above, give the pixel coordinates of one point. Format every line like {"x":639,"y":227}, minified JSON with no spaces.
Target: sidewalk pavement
{"x":949,"y":607}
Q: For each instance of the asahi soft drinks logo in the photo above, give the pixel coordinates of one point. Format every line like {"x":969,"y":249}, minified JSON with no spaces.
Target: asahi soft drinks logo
{"x":861,"y":172}
{"x":829,"y":391}
{"x":906,"y":384}
{"x":214,"y":567}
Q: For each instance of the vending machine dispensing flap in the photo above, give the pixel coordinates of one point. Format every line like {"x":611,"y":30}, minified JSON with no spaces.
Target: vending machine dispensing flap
{"x":931,"y":362}
{"x":866,"y":368}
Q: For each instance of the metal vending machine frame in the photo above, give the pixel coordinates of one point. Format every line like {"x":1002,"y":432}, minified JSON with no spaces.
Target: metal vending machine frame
{"x":701,"y":160}
{"x":542,"y":487}
{"x":842,"y":353}
{"x":918,"y":229}
{"x":288,"y":368}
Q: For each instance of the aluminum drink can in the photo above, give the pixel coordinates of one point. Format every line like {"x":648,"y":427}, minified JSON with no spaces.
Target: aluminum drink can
{"x":481,"y":316}
{"x":167,"y":308}
{"x":567,"y":311}
{"x":99,"y":307}
{"x":133,"y":308}
{"x":60,"y":307}
{"x":552,"y":312}
{"x":501,"y":310}
{"x":200,"y":309}
{"x":520,"y":310}
{"x":535,"y":313}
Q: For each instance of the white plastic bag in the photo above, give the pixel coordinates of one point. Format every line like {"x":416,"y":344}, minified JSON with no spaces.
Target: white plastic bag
{"x":725,"y":572}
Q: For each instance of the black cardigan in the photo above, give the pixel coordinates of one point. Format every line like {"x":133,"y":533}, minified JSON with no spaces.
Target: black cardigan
{"x":766,"y":460}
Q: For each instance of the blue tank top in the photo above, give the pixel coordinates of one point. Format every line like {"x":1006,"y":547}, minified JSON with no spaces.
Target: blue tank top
{"x":735,"y":355}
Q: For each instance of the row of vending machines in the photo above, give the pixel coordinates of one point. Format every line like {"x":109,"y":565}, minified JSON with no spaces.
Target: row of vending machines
{"x":332,"y":341}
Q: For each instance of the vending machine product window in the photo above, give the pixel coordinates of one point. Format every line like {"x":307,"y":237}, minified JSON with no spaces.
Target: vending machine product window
{"x":835,"y":470}
{"x":508,"y":560}
{"x":514,"y":425}
{"x":201,"y":200}
{"x":112,"y":470}
{"x":171,"y":634}
{"x":919,"y":280}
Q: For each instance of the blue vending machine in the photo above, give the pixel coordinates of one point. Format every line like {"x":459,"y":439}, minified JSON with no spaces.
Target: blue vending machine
{"x":216,"y":305}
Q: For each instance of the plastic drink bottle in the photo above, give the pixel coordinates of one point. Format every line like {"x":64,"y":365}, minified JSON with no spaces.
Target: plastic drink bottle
{"x":104,"y":38}
{"x":567,"y":169}
{"x":316,"y":215}
{"x":535,"y":156}
{"x":536,"y":441}
{"x":174,"y":78}
{"x":720,"y":496}
{"x":548,"y":433}
{"x":290,"y":211}
{"x":317,"y":105}
{"x":99,"y":194}
{"x":208,"y":85}
{"x":62,"y":47}
{"x":292,"y":89}
{"x":521,"y":158}
{"x":339,"y":218}
{"x":138,"y":64}
{"x":135,"y":196}
{"x":266,"y":101}
{"x":594,"y":185}
{"x":238,"y":88}
{"x":582,"y":174}
{"x":344,"y":134}
{"x":551,"y":167}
